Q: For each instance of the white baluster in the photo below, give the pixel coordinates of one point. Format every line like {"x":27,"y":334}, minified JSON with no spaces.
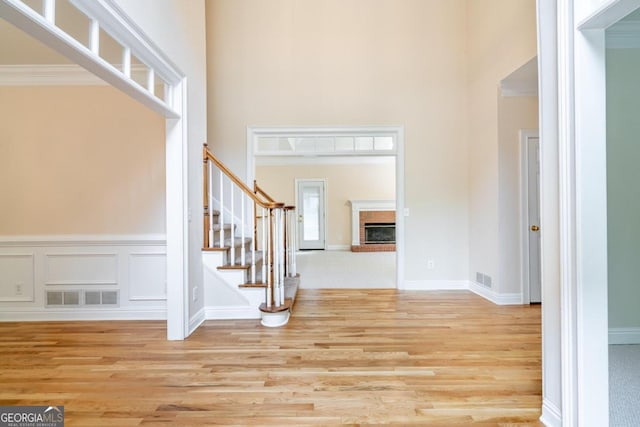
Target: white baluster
{"x":293,"y":232}
{"x":232,"y":233}
{"x":276,"y":257}
{"x":253,"y":245}
{"x":243,"y":252}
{"x":49,"y":10}
{"x":281,"y":246}
{"x":269,"y":261}
{"x":265,"y":254}
{"x":221,"y":217}
{"x":211,"y":209}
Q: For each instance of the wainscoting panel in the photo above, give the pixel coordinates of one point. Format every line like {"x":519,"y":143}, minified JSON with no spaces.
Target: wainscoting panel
{"x":81,"y":269}
{"x":114,"y":277}
{"x":148,"y":277}
{"x":16,"y":277}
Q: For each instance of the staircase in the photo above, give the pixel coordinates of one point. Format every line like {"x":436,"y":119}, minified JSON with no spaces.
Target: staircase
{"x":249,"y":249}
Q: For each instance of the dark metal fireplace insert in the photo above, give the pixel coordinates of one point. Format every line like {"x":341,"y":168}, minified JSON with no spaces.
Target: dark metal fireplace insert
{"x":376,"y":233}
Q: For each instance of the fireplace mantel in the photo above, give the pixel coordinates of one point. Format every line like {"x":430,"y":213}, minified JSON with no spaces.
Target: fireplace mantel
{"x":366,"y":205}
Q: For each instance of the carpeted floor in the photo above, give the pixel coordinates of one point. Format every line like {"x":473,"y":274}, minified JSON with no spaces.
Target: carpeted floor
{"x":346,"y":269}
{"x":624,"y":385}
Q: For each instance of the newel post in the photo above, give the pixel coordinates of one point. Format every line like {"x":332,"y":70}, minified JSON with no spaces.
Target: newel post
{"x":205,"y":195}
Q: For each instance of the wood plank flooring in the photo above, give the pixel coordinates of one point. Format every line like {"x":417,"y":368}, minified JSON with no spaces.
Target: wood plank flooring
{"x":347,"y":357}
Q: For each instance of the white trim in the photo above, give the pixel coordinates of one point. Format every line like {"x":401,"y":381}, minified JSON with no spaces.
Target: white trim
{"x":551,"y":415}
{"x":547,"y":23}
{"x":624,"y":335}
{"x":177,"y":218}
{"x":495,"y":297}
{"x":52,"y":75}
{"x":589,"y":145}
{"x":230,"y":313}
{"x":525,"y":135}
{"x":197,"y":320}
{"x":84,"y":240}
{"x":10,"y":314}
{"x":436,"y":285}
{"x":566,"y":184}
{"x":397,"y":131}
{"x":608,"y":14}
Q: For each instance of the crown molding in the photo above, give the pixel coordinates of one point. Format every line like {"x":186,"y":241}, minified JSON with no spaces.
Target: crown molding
{"x":624,"y":35}
{"x":53,"y":75}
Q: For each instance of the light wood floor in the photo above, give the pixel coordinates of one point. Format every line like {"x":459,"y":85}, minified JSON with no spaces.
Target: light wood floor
{"x":346,"y":357}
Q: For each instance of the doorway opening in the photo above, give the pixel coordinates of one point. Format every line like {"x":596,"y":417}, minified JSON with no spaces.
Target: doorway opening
{"x":331,"y":170}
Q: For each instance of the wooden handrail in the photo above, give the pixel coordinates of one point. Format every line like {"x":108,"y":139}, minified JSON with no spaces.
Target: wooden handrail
{"x":258,"y":190}
{"x":267,"y":204}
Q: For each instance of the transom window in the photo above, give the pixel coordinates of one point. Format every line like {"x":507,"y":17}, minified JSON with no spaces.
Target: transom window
{"x":337,"y":144}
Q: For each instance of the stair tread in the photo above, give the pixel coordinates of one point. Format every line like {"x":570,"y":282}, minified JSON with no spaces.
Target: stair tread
{"x":217,"y":227}
{"x":253,"y":285}
{"x":237,"y":241}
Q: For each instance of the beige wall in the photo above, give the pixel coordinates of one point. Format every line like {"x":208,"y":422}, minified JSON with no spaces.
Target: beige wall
{"x":355,"y":62}
{"x":79,"y":160}
{"x":345,"y":182}
{"x":514,"y":114}
{"x":501,"y":37}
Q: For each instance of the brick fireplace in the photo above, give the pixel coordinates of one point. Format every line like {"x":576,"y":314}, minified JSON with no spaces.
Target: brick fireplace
{"x":373,"y":226}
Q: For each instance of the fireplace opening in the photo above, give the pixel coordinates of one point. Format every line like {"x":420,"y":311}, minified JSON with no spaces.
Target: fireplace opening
{"x":376,"y":233}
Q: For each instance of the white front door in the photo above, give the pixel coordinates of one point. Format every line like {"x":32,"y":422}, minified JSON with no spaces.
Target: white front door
{"x":310,"y":207}
{"x":533,"y":215}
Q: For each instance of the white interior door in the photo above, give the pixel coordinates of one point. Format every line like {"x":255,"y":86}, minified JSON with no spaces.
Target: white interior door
{"x":310,"y":206}
{"x":533,"y":215}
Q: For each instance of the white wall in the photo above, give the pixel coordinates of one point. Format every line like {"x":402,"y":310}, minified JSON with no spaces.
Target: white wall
{"x":355,"y":63}
{"x":514,"y":114}
{"x":178,"y":28}
{"x":623,"y":191}
{"x":501,"y":37}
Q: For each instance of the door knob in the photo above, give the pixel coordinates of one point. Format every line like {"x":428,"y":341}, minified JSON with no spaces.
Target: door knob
{"x":535,"y":228}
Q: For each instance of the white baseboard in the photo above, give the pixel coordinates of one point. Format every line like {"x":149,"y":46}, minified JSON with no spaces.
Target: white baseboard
{"x":434,"y":285}
{"x":624,"y":335}
{"x":197,"y":320}
{"x":551,"y":415}
{"x":495,"y":297}
{"x":338,"y":248}
{"x":51,"y":315}
{"x":231,"y":313}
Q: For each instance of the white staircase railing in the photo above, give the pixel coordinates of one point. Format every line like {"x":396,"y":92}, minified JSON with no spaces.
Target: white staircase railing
{"x":270,"y":252}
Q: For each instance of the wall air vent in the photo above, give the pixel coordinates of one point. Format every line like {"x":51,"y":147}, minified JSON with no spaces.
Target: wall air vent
{"x":82,"y":298}
{"x":101,"y":298}
{"x":63,"y":298}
